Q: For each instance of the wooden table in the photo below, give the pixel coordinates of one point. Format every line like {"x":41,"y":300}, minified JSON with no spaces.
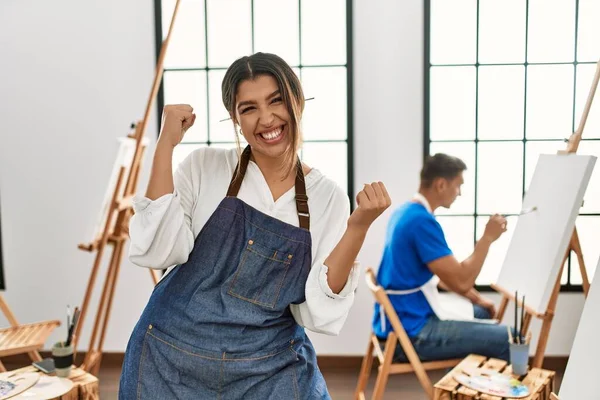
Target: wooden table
{"x":85,"y":385}
{"x":540,"y":382}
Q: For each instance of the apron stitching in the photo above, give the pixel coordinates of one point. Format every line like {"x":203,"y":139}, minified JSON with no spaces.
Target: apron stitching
{"x":263,"y":229}
{"x":266,"y":257}
{"x":260,"y":303}
{"x":296,"y":391}
{"x":221,"y":375}
{"x":237,"y":272}
{"x":255,"y":358}
{"x":281,"y":283}
{"x":222,"y":358}
{"x":139,"y":391}
{"x":287,"y":265}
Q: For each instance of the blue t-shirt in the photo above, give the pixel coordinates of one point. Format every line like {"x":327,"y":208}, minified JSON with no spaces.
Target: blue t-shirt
{"x":414,"y":238}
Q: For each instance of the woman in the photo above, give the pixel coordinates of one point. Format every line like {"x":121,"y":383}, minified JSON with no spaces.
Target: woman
{"x":263,"y":247}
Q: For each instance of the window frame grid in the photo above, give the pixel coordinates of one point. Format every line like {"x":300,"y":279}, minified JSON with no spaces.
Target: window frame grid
{"x":568,"y":286}
{"x":300,"y":67}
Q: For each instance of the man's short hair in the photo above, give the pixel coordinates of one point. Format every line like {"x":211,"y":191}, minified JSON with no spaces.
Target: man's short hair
{"x":440,"y":165}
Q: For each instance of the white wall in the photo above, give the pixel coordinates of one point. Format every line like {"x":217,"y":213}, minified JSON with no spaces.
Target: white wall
{"x":74,"y":75}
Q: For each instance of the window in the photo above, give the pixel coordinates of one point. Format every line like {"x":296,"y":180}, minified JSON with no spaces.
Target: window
{"x":506,"y":81}
{"x":311,"y":35}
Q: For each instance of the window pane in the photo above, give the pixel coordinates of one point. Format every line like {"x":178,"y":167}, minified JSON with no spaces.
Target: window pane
{"x":329,"y":158}
{"x":187,"y":47}
{"x":453,"y":31}
{"x":229,"y":31}
{"x":220,"y":131}
{"x":499,"y":178}
{"x":497,"y":42}
{"x":459,"y":235}
{"x":588,"y":230}
{"x":591,"y":199}
{"x":452,"y":103}
{"x":284,"y":42}
{"x":588,"y":38}
{"x":549,"y":101}
{"x":465,"y":203}
{"x":551,"y":31}
{"x":585,"y":75}
{"x":325,"y":116}
{"x":532,"y":154}
{"x":188,"y":87}
{"x":320,"y":17}
{"x":501,"y":104}
{"x":495,"y":258}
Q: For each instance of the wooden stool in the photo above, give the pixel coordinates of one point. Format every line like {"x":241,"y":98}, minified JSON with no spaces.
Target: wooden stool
{"x":540,"y":382}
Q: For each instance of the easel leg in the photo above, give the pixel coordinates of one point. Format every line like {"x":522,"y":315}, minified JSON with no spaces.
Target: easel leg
{"x":538,"y":359}
{"x":99,"y":252}
{"x":576,"y":247}
{"x":92,"y":358}
{"x":155,"y":276}
{"x":112,"y":286}
{"x":88,"y":294}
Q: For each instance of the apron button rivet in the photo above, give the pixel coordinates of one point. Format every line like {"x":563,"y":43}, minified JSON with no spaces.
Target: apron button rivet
{"x":250,"y":241}
{"x":150,"y":326}
{"x":289,"y":256}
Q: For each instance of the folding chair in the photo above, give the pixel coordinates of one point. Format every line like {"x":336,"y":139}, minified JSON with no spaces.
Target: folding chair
{"x":20,"y":339}
{"x":386,"y":366}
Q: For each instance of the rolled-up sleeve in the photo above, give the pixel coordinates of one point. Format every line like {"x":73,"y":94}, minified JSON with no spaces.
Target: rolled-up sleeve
{"x":325,"y":311}
{"x":160,"y":230}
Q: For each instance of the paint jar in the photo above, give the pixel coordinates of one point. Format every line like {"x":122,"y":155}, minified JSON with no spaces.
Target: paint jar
{"x":519,"y":358}
{"x":63,"y":359}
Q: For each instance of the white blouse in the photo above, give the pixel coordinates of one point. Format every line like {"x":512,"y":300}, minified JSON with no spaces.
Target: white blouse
{"x":163,"y":231}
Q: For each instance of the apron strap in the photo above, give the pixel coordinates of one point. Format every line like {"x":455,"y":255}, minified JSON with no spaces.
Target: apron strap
{"x":301,"y":197}
{"x":237,"y":178}
{"x":382,"y":318}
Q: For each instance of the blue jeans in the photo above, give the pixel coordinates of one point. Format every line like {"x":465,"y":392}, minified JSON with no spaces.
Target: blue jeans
{"x":444,"y":340}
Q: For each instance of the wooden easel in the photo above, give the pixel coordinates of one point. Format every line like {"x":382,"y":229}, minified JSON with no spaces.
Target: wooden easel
{"x":115,"y":231}
{"x":574,"y":246}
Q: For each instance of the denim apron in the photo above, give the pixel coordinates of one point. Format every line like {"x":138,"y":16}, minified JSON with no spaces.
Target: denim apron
{"x":219,"y":326}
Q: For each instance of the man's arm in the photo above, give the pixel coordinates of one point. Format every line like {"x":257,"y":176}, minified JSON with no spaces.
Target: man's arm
{"x":474,"y":297}
{"x":460,"y":276}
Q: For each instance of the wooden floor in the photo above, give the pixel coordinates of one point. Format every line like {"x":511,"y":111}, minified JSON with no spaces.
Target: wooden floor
{"x":341,"y":384}
{"x":340,"y":381}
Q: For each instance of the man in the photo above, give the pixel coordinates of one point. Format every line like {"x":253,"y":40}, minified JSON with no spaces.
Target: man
{"x":416,"y":260}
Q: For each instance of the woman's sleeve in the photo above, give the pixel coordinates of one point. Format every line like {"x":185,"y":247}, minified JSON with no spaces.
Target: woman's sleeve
{"x":325,"y":311}
{"x":161,"y":230}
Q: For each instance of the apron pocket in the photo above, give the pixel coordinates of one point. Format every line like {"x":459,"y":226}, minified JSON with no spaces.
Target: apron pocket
{"x":260,"y":275}
{"x":172,"y":369}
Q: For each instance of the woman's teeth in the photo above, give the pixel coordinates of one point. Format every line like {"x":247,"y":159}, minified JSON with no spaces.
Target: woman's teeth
{"x":274,"y":134}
